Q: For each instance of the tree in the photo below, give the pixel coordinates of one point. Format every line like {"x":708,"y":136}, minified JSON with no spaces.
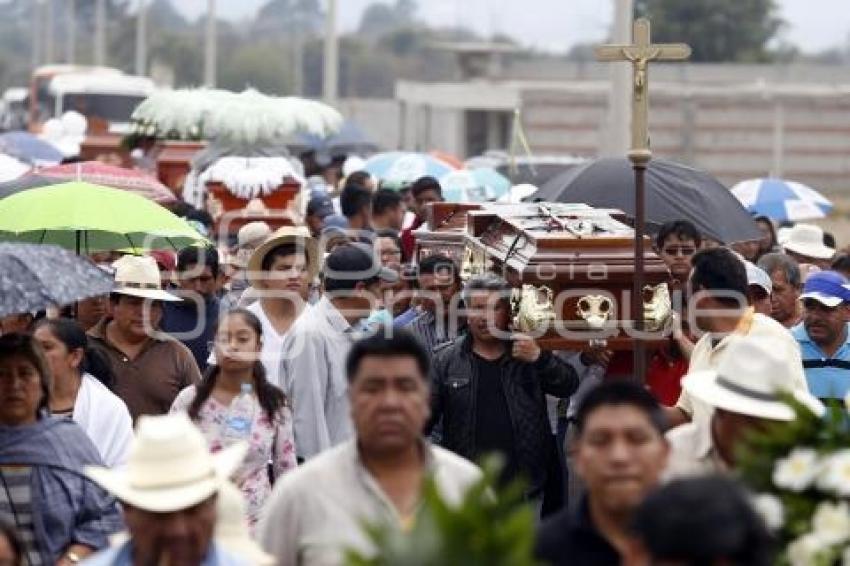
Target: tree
{"x":304,"y":17}
{"x":716,"y":30}
{"x":380,"y":19}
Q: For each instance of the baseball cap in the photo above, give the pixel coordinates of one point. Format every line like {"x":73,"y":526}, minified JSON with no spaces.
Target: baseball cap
{"x":357,"y":260}
{"x":829,"y":288}
{"x":758,"y":276}
{"x":320,"y":205}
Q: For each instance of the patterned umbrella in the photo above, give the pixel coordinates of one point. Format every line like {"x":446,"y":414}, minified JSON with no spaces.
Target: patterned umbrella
{"x":97,"y":173}
{"x":474,"y":185}
{"x":401,"y":168}
{"x":28,"y":147}
{"x":34,"y":277}
{"x":781,"y":200}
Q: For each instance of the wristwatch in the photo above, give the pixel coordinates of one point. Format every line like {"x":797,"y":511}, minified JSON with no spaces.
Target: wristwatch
{"x":72,"y":557}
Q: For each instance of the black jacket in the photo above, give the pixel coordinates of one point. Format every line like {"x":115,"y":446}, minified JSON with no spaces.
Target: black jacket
{"x":454,"y":383}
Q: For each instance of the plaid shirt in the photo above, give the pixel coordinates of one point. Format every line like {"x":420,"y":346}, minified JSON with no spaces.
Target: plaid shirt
{"x":68,"y":507}
{"x":432,"y":333}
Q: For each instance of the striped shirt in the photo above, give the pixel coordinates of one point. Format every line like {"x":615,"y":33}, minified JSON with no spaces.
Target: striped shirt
{"x":828,"y":376}
{"x":431,"y":332}
{"x":16,"y":506}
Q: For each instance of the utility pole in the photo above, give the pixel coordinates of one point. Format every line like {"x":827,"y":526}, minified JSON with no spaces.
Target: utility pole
{"x":100,"y":32}
{"x":35,"y":11}
{"x":331,"y":69}
{"x":615,"y":138}
{"x":70,"y":31}
{"x":141,"y":38}
{"x":210,"y":48}
{"x":49,"y":42}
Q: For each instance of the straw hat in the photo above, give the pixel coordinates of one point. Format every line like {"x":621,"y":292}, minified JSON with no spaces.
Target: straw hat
{"x":747,"y":381}
{"x":807,"y":240}
{"x":170,"y":467}
{"x":286,"y":235}
{"x":231,"y":529}
{"x":139,"y":277}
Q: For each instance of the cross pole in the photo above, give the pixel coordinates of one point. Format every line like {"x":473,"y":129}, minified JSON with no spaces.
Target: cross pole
{"x":639,"y":54}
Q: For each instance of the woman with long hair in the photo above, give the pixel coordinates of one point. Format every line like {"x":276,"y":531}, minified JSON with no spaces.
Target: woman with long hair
{"x":82,"y":379}
{"x":60,"y":515}
{"x":212,"y":405}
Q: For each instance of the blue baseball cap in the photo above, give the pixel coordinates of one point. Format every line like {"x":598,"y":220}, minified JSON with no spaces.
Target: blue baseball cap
{"x":320,"y":205}
{"x":829,"y":288}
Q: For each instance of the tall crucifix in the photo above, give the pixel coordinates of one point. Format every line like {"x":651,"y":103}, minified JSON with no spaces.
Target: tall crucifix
{"x":639,"y":54}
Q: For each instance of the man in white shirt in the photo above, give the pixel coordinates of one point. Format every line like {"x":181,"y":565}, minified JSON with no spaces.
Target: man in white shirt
{"x":743,"y":392}
{"x":718,"y":289}
{"x":318,"y":511}
{"x":312,"y":368}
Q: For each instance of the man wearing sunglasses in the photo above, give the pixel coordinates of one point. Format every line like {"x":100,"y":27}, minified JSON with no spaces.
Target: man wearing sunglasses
{"x":823,"y":334}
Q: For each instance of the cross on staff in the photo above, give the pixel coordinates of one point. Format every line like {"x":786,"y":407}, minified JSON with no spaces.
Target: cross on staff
{"x":639,"y":54}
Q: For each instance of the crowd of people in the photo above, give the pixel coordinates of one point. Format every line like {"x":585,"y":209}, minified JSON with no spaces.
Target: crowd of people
{"x":321,"y":372}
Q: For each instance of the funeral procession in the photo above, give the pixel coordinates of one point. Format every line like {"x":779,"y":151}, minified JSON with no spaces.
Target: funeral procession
{"x":425,"y":282}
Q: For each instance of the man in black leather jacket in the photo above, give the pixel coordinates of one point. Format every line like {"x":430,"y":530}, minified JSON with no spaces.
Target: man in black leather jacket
{"x":488,"y":386}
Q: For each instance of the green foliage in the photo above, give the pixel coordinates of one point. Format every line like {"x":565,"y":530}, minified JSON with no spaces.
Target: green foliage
{"x":716,"y":30}
{"x":484,"y":530}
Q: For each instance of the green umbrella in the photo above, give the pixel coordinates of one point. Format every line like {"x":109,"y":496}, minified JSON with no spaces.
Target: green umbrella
{"x":88,"y":218}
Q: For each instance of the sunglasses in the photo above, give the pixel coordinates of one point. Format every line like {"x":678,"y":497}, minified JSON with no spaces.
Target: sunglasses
{"x":680,"y":250}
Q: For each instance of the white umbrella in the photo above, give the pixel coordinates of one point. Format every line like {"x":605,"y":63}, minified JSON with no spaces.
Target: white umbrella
{"x":11,"y":168}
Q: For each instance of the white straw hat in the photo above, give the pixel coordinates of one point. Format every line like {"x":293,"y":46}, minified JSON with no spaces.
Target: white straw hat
{"x":807,"y":240}
{"x":231,"y":528}
{"x":139,"y":277}
{"x":747,"y":381}
{"x":170,"y":467}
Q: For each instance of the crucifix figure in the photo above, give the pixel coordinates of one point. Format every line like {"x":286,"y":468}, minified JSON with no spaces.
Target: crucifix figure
{"x":640,"y":53}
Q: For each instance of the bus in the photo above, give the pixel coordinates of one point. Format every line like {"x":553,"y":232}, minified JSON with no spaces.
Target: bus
{"x":105,"y":96}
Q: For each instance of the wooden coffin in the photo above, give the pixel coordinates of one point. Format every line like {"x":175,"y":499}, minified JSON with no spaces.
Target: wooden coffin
{"x":230,"y":212}
{"x":445,"y":231}
{"x":105,"y":148}
{"x":174,"y":161}
{"x":572,"y":268}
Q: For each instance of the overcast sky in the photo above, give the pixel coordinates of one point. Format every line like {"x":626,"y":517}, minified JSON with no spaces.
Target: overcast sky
{"x":814,"y":25}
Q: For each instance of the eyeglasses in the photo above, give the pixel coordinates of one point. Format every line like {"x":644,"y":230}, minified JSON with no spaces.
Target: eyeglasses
{"x":686,"y":251}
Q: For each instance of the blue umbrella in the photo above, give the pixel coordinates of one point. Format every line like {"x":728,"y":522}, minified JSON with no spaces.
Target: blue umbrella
{"x":474,"y":185}
{"x":781,"y":200}
{"x":349,"y":139}
{"x":29,"y":147}
{"x":402,"y":168}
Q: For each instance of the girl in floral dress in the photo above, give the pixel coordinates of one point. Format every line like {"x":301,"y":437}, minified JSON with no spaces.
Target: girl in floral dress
{"x":238,"y":342}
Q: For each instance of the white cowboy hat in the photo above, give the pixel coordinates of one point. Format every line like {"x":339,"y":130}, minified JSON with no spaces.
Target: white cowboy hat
{"x":231,"y":529}
{"x":748,"y":381}
{"x":807,"y":240}
{"x":170,"y":467}
{"x":139,"y":277}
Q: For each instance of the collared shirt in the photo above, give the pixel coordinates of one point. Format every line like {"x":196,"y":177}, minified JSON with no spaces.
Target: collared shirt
{"x":318,"y":510}
{"x":828,"y":376}
{"x":149,"y":383}
{"x":707,"y":355}
{"x":570,"y":538}
{"x":123,"y":556}
{"x":692,"y":453}
{"x":312,"y":373}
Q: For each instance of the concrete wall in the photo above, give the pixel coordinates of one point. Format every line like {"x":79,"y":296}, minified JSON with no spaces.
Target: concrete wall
{"x":795,"y":132}
{"x":380,"y":118}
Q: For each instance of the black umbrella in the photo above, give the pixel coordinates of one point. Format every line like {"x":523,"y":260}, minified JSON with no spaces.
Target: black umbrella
{"x":673,"y":192}
{"x":34,"y":277}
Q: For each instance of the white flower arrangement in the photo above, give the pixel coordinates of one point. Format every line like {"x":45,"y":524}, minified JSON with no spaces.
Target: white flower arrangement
{"x":801,"y":472}
{"x":798,"y":471}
